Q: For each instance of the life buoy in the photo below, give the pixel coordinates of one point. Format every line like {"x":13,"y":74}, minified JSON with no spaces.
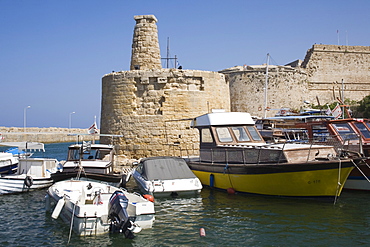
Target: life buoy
{"x":28,"y":181}
{"x":259,"y":108}
{"x":282,"y":112}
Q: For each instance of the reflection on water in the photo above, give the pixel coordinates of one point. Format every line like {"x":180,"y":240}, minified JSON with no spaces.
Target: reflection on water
{"x":232,"y":219}
{"x":229,"y":220}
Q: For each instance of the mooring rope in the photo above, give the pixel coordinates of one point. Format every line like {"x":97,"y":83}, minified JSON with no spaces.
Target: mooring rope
{"x":358,"y":168}
{"x":71,"y":226}
{"x":80,"y":170}
{"x":226,"y":169}
{"x":339,"y":184}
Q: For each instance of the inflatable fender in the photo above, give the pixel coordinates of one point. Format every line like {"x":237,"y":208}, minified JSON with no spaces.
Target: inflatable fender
{"x":28,"y":181}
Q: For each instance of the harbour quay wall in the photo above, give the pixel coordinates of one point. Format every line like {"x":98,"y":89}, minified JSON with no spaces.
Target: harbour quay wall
{"x":44,"y":135}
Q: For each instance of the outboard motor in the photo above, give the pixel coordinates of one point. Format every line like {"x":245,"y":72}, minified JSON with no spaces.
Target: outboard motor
{"x":117,"y":213}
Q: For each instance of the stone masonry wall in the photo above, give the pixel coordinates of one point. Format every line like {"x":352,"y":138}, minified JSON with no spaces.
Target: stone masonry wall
{"x":328,"y":65}
{"x":145,"y":47}
{"x":287,"y":87}
{"x":153,"y":109}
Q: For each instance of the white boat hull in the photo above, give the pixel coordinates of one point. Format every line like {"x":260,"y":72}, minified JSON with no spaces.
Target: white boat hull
{"x":17,"y":183}
{"x":89,"y":213}
{"x":32,"y":174}
{"x":166,"y":176}
{"x":165,"y":188}
{"x":357,"y":184}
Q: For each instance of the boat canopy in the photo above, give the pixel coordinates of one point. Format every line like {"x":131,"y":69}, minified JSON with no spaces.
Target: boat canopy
{"x":223,"y":118}
{"x":25,"y":146}
{"x":302,"y":117}
{"x":92,"y":146}
{"x":165,"y":168}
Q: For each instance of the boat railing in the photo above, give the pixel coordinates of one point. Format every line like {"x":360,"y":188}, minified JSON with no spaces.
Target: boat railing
{"x":276,"y":153}
{"x":342,"y":143}
{"x":252,"y":155}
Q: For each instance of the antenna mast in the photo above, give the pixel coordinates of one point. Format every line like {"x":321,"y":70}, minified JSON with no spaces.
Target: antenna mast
{"x":168,"y":58}
{"x":266,"y":84}
{"x":168,"y":52}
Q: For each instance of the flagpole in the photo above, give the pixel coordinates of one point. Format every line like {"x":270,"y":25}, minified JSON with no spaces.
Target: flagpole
{"x":343,"y":98}
{"x":266,"y":85}
{"x":96,"y":126}
{"x":338,"y":36}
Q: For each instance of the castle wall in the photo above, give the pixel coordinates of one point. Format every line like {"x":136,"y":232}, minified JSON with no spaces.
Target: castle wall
{"x":287,"y":87}
{"x":328,"y":65}
{"x":152,"y":109}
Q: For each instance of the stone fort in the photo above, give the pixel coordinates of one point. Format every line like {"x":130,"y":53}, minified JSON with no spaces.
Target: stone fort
{"x":152,"y":107}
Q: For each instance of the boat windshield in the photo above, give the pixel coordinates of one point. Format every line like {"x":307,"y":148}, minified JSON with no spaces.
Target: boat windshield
{"x":254,"y":133}
{"x":362,"y":128}
{"x":241,"y":134}
{"x":74,"y":154}
{"x":345,"y":131}
{"x":206,"y":136}
{"x":224,"y":134}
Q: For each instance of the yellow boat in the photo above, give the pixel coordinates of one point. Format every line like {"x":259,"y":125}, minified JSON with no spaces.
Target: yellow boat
{"x":234,"y":156}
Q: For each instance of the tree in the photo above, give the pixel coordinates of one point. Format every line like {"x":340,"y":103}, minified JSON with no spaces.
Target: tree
{"x":364,"y":107}
{"x":351,"y":107}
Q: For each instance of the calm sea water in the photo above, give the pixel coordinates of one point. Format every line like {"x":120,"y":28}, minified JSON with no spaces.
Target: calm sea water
{"x":229,"y":220}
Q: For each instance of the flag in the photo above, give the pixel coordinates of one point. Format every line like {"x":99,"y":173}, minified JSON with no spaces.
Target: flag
{"x":328,"y":111}
{"x":93,"y":129}
{"x":86,"y":146}
{"x":178,"y":65}
{"x":337,"y":112}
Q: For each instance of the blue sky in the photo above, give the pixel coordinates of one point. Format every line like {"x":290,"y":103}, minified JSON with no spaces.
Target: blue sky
{"x":53,"y":54}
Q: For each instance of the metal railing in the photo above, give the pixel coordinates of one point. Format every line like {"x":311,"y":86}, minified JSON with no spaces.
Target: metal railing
{"x":350,"y":147}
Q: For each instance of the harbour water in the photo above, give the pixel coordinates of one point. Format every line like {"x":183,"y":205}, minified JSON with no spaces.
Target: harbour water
{"x":228,"y":220}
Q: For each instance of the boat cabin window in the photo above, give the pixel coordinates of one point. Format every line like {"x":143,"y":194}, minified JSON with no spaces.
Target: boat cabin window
{"x":206,"y":136}
{"x":237,"y":134}
{"x":224,"y":134}
{"x":240,"y":134}
{"x":73,"y":154}
{"x":92,"y":154}
{"x":345,"y":131}
{"x":254,"y":133}
{"x":362,"y":128}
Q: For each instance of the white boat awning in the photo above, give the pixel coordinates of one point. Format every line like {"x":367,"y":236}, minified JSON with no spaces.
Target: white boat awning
{"x":25,"y":146}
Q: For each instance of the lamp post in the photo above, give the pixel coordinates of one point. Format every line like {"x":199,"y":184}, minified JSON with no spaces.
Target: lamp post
{"x":70,"y":119}
{"x":24,"y":117}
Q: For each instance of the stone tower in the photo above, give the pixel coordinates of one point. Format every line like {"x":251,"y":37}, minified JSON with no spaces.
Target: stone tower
{"x":152,"y":107}
{"x":145,"y":47}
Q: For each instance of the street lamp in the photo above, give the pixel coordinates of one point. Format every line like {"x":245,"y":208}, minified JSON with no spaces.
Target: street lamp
{"x":24,"y":118}
{"x":70,"y":118}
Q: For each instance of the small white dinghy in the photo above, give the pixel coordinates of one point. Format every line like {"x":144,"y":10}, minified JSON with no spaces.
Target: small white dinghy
{"x":93,"y":208}
{"x":166,"y":176}
{"x":32,"y":174}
